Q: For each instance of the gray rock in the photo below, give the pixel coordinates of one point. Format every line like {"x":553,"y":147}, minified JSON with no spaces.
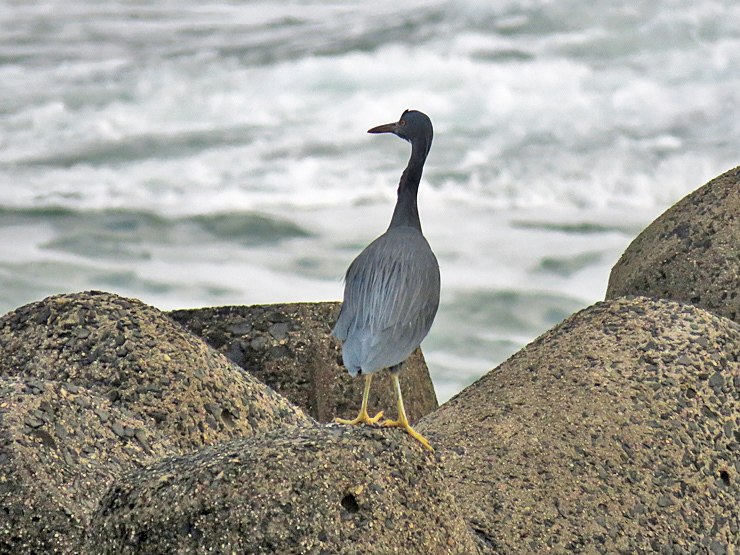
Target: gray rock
{"x":595,"y":438}
{"x":319,"y":490}
{"x":54,"y":470}
{"x":691,"y":253}
{"x":167,"y":376}
{"x":288,"y":347}
{"x":75,"y":413}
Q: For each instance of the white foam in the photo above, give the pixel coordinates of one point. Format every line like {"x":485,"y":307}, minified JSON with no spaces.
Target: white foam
{"x":547,"y":112}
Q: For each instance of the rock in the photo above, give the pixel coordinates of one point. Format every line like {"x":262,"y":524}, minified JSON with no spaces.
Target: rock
{"x":288,"y":347}
{"x":691,"y":253}
{"x":57,"y":458}
{"x":320,"y":490}
{"x":79,"y":408}
{"x":596,"y":438}
{"x":138,"y":358}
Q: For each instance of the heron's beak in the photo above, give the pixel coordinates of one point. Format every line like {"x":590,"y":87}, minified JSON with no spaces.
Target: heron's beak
{"x":387,"y":128}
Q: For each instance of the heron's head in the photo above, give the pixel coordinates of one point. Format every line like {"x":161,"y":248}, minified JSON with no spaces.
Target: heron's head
{"x":414,"y":126}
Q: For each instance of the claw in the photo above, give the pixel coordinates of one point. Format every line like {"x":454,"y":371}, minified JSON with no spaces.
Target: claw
{"x":402,"y":423}
{"x":362,"y":418}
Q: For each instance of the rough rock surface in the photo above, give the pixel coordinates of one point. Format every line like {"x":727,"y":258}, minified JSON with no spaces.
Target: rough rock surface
{"x":288,"y":347}
{"x":691,"y":253}
{"x":92,"y":385}
{"x":618,"y":431}
{"x":329,"y":489}
{"x":60,"y":448}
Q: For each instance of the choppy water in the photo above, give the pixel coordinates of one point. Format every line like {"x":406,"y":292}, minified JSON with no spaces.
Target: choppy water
{"x":194,"y":153}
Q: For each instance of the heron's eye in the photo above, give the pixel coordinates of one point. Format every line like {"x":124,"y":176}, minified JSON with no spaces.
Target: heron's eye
{"x":403,"y":122}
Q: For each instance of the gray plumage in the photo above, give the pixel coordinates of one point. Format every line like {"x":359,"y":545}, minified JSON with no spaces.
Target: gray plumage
{"x":391,"y":289}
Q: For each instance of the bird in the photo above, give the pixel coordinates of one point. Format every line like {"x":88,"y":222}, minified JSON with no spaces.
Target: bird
{"x":391,"y":290}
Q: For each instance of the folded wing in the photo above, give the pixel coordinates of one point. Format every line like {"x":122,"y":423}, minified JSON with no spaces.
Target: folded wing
{"x":391,"y":296}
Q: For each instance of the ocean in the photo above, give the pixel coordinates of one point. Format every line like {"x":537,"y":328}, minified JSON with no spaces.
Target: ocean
{"x":195,"y":153}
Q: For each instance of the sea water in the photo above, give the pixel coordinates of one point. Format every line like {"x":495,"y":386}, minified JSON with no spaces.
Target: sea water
{"x":192,"y":153}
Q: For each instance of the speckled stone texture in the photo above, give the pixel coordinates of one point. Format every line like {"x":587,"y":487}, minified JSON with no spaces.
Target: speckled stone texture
{"x":324,"y":490}
{"x":618,"y":431}
{"x":60,"y":448}
{"x":691,"y":253}
{"x":289,"y":347}
{"x":92,"y":385}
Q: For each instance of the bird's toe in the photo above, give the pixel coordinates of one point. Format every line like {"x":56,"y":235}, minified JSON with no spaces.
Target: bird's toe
{"x":409,"y":430}
{"x":362,"y":418}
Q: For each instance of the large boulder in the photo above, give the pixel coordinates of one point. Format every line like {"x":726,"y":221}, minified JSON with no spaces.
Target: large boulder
{"x":93,"y":385}
{"x":289,"y":347}
{"x":618,"y":431}
{"x":691,"y":253}
{"x":321,"y":490}
{"x":60,"y":448}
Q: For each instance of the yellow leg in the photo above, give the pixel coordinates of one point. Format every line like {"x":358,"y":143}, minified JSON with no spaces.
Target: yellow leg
{"x":402,"y":421}
{"x":363,"y":417}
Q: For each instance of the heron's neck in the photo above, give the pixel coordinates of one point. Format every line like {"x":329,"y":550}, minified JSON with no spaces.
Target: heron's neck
{"x":407,"y":212}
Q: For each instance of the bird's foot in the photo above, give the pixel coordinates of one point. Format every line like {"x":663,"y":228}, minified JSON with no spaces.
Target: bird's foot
{"x":403,"y":423}
{"x":362,"y":418}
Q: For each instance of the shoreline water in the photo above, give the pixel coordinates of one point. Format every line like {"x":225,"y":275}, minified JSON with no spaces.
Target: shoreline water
{"x":202,"y":154}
